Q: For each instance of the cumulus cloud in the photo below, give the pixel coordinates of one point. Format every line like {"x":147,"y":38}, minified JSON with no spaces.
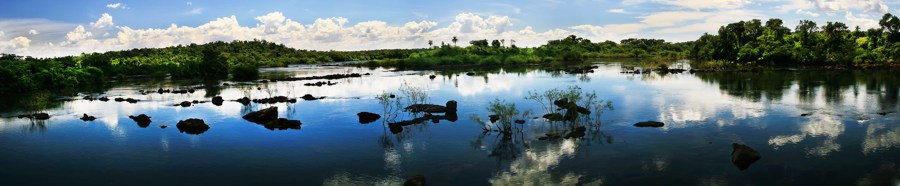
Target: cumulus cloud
{"x":807,"y":13}
{"x":105,"y":21}
{"x":33,"y":32}
{"x":863,"y":21}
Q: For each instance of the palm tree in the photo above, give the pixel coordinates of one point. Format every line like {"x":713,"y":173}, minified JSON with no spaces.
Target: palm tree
{"x":503,"y":42}
{"x":454,"y":40}
{"x":430,"y":43}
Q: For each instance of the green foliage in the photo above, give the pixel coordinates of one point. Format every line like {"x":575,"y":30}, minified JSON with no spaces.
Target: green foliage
{"x":831,"y":44}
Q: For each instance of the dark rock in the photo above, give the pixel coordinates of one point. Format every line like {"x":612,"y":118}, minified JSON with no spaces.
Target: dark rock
{"x":743,"y":156}
{"x":282,"y":124}
{"x":649,"y":124}
{"x":432,"y":76}
{"x":244,"y":101}
{"x":554,"y":117}
{"x":884,"y":113}
{"x":163,"y":126}
{"x":24,"y":116}
{"x":120,"y":99}
{"x":327,"y":77}
{"x":493,"y":118}
{"x":392,"y":96}
{"x":195,"y":101}
{"x":192,"y":126}
{"x":450,"y":107}
{"x":88,"y":118}
{"x":89,"y":98}
{"x":519,"y":121}
{"x":417,"y":180}
{"x":142,"y":120}
{"x":130,"y":100}
{"x":40,"y":116}
{"x":805,"y":114}
{"x":217,"y":100}
{"x":470,"y":73}
{"x":103,"y":99}
{"x":367,"y":117}
{"x":263,"y":116}
{"x":185,"y":104}
{"x":309,"y":97}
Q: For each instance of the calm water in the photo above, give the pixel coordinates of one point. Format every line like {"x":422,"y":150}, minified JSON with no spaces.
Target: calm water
{"x":843,"y":142}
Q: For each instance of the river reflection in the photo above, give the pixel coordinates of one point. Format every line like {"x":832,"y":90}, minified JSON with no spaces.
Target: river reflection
{"x":810,"y":126}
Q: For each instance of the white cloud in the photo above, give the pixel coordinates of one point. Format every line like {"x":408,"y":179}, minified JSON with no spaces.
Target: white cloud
{"x":195,"y":11}
{"x":116,"y":6}
{"x":808,"y":13}
{"x":833,"y":6}
{"x":863,"y":21}
{"x":78,"y":34}
{"x":33,"y":32}
{"x":705,"y":4}
{"x":104,"y":22}
{"x":616,"y":11}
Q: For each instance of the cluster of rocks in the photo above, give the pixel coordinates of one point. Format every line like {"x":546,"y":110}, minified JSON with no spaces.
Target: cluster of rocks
{"x":189,"y":103}
{"x":269,"y":119}
{"x":327,"y":77}
{"x":276,"y":99}
{"x":321,"y":83}
{"x":449,"y":107}
{"x":142,"y":120}
{"x":129,"y":100}
{"x":91,"y":98}
{"x":37,"y":116}
{"x":164,"y":91}
{"x":572,"y":111}
{"x":86,"y":117}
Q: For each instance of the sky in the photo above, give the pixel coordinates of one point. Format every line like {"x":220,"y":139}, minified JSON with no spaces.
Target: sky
{"x":44,"y":28}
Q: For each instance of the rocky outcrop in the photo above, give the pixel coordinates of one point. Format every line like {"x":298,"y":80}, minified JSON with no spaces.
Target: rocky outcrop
{"x":217,"y":100}
{"x":320,"y":83}
{"x":263,"y":116}
{"x":449,"y":107}
{"x":142,"y":120}
{"x":367,"y":117}
{"x":309,"y":97}
{"x":276,"y":99}
{"x":244,"y":101}
{"x":743,"y":156}
{"x":86,"y":117}
{"x":649,"y":124}
{"x":192,"y":126}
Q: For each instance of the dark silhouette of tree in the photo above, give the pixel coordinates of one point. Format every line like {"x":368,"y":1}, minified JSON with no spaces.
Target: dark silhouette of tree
{"x":430,"y":43}
{"x":454,"y":40}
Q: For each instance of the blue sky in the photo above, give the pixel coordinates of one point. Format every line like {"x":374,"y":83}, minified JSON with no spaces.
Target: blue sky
{"x":55,"y":28}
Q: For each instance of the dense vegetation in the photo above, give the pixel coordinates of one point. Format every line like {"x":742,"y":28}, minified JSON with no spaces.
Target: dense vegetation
{"x":569,"y":50}
{"x":808,"y":44}
{"x":216,"y":60}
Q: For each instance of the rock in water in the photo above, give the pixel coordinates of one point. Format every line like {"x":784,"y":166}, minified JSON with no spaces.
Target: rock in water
{"x":649,"y":124}
{"x":244,"y":101}
{"x":395,"y":127}
{"x":367,"y":117}
{"x":742,"y":156}
{"x":41,"y":116}
{"x":88,"y":118}
{"x":192,"y":126}
{"x":417,"y":180}
{"x":263,"y":116}
{"x":553,"y":117}
{"x":185,"y":104}
{"x":142,"y":120}
{"x":576,"y":133}
{"x":282,"y":124}
{"x":217,"y":101}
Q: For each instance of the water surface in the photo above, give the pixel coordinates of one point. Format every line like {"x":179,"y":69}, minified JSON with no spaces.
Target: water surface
{"x":843,"y":140}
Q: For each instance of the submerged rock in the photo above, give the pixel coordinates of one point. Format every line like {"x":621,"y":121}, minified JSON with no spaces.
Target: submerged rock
{"x":367,"y":117}
{"x":743,"y":156}
{"x":282,"y":124}
{"x":192,"y":126}
{"x":88,"y":118}
{"x":217,"y":100}
{"x":395,"y":127}
{"x":185,"y":104}
{"x":142,"y":120}
{"x":649,"y":124}
{"x":417,"y":180}
{"x":263,"y":116}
